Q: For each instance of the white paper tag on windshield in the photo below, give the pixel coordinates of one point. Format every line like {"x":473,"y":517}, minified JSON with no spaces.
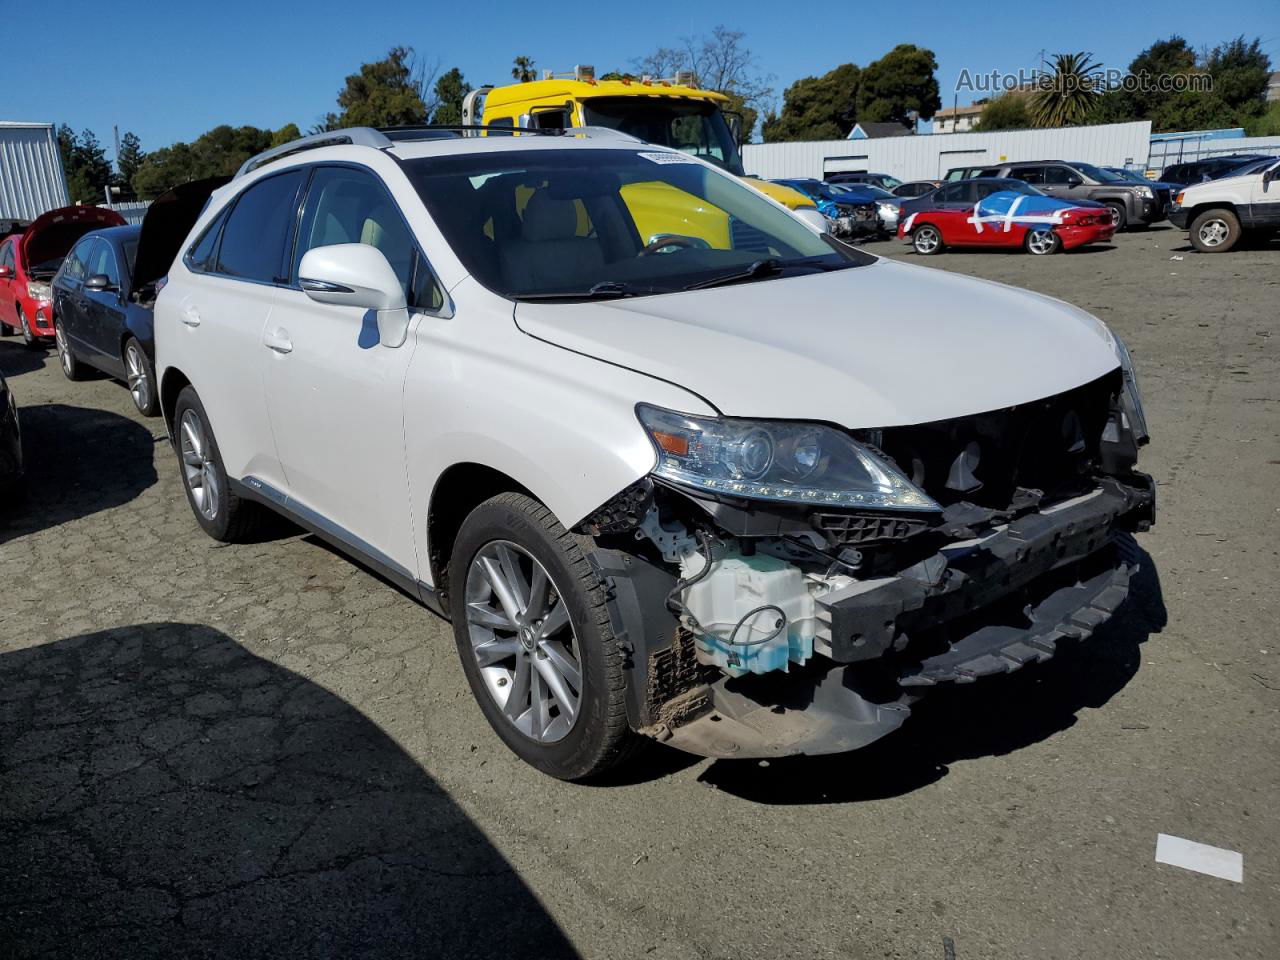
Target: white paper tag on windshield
{"x":668,"y":156}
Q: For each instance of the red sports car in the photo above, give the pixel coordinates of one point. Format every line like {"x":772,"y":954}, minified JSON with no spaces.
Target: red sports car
{"x":28,"y":261}
{"x":1038,"y":224}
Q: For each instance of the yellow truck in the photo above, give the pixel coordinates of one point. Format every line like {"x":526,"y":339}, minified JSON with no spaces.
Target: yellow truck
{"x":672,"y":112}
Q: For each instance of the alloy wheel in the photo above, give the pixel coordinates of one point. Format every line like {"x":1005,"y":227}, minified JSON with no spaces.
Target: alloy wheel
{"x":198,"y":468}
{"x":1115,"y":216}
{"x":926,"y":240}
{"x":64,"y":352}
{"x":524,"y":643}
{"x":1041,"y":242}
{"x":28,"y":337}
{"x":1214,"y":232}
{"x":136,"y":370}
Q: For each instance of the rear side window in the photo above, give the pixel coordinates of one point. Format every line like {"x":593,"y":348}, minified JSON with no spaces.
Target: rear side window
{"x":259,"y":229}
{"x":956,"y":193}
{"x":1033,"y":175}
{"x":201,"y":256}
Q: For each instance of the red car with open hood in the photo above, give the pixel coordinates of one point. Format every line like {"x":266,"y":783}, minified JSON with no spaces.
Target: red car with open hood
{"x":28,"y":261}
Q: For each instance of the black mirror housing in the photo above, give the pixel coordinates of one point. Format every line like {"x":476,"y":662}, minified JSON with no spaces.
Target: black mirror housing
{"x":99,"y":281}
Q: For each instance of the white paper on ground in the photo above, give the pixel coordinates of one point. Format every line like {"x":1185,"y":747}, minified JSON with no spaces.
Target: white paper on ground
{"x":1200,"y":857}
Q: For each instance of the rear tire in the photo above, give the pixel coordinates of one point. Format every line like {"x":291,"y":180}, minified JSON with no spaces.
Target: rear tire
{"x":1042,"y":242}
{"x":1215,"y":231}
{"x":927,"y":240}
{"x":512,"y":537}
{"x":220,"y":513}
{"x":72,"y":368}
{"x":141,"y":378}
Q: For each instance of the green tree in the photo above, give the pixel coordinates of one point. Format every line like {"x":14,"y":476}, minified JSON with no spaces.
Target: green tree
{"x":1240,"y":72}
{"x":1006,"y":112}
{"x":522,"y":69}
{"x":129,"y":159}
{"x":817,"y":108}
{"x":450,"y":90}
{"x":382,"y":94}
{"x":900,"y":86}
{"x":85,"y":164}
{"x":218,"y":152}
{"x":1068,"y":96}
{"x":285,"y":134}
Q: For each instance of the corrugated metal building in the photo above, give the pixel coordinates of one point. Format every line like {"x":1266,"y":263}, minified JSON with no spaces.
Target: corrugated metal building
{"x":31,"y":176}
{"x":929,"y":157}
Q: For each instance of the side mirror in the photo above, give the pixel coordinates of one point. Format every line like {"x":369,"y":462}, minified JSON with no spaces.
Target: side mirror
{"x":99,"y":282}
{"x":357,"y":275}
{"x":1074,"y":181}
{"x":6,"y":273}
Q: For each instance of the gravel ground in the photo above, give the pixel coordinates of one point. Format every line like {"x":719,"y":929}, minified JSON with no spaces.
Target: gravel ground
{"x":264,"y":750}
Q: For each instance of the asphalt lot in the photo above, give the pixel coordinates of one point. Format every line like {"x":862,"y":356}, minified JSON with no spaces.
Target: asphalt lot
{"x":264,"y":750}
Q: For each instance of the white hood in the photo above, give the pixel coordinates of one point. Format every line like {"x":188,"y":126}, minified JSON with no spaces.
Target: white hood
{"x":876,"y":346}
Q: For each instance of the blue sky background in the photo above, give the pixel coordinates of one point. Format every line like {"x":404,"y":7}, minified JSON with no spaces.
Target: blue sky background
{"x":171,"y":71}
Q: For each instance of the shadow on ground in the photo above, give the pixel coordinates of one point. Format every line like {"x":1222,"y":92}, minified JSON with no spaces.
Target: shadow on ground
{"x":79,"y":461}
{"x":168,"y":794}
{"x":991,"y":717}
{"x":16,"y":358}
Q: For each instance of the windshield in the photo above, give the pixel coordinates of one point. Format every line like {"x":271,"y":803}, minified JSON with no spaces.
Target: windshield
{"x":695,"y":127}
{"x":595,"y":223}
{"x":1097,"y":173}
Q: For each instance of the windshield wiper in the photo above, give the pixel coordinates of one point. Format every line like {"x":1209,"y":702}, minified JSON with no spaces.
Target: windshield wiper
{"x":768,"y":267}
{"x":604,"y":290}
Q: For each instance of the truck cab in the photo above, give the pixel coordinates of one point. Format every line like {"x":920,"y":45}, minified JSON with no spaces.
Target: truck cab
{"x":672,"y":113}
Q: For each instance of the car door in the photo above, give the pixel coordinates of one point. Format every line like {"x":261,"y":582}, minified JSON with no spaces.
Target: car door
{"x":1057,"y":181}
{"x":68,"y":297}
{"x":334,"y":392}
{"x":103,"y":311}
{"x":955,"y":196}
{"x":1264,"y":200}
{"x":7,"y":314}
{"x":223,"y":302}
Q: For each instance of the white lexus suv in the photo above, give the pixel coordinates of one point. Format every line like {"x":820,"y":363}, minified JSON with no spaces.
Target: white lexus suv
{"x":675,"y":465}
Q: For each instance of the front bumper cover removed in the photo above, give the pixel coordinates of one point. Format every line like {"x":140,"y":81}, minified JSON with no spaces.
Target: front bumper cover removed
{"x":987,"y":605}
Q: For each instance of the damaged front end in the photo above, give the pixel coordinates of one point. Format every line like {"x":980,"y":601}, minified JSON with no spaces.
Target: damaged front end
{"x":782,"y":614}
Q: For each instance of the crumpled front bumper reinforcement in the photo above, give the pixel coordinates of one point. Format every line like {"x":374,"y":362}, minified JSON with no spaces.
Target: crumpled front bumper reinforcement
{"x":993,"y":605}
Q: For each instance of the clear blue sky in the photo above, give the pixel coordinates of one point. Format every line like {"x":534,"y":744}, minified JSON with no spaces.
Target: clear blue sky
{"x":171,"y":71}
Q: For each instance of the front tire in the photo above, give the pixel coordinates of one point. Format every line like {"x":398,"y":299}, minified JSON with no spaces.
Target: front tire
{"x":220,"y":513}
{"x":1215,"y":231}
{"x":533,"y":632}
{"x":927,"y":240}
{"x":141,"y":377}
{"x":28,"y":338}
{"x":1119,"y":216}
{"x":72,"y":368}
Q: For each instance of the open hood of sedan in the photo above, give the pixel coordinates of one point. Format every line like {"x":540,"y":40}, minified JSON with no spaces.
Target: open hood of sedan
{"x":877,"y":346}
{"x":168,"y":221}
{"x":53,"y":234}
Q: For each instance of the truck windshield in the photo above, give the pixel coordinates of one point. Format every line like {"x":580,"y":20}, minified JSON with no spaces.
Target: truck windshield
{"x":594,"y":223}
{"x":695,"y":127}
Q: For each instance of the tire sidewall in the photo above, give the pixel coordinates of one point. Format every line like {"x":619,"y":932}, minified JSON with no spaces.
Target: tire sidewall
{"x":188,"y":399}
{"x":1057,"y":244}
{"x":927,"y":228}
{"x":1120,"y":216}
{"x":67,"y":361}
{"x":1233,"y":231}
{"x":149,"y":371}
{"x":573,"y":756}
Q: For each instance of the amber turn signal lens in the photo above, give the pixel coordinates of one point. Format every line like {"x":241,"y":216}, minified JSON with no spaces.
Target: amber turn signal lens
{"x":673,"y":443}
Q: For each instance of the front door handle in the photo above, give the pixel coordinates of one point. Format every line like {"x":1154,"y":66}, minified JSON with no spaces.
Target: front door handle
{"x":191,"y":317}
{"x":278,"y":340}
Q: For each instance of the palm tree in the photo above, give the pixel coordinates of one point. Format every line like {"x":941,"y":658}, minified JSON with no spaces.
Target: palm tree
{"x":1066,"y":96}
{"x":523,"y":70}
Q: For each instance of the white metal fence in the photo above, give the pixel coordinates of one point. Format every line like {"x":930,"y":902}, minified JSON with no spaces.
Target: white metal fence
{"x":1167,"y":152}
{"x":132,"y":210}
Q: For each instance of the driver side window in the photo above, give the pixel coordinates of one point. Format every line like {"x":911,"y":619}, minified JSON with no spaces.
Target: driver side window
{"x":345,"y":205}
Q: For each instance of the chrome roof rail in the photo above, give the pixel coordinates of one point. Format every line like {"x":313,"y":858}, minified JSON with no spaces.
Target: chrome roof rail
{"x":360,"y":136}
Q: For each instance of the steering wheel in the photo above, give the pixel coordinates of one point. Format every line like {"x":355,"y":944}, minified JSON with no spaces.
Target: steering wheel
{"x":661,"y":243}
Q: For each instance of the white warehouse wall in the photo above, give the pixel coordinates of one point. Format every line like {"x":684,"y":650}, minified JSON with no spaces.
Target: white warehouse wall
{"x":928,"y":157}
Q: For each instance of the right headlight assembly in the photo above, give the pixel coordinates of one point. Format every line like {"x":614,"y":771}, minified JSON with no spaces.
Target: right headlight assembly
{"x":1132,"y":396}
{"x":805,"y":463}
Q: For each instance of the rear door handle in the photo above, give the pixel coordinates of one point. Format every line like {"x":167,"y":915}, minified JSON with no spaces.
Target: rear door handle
{"x":191,"y":317}
{"x":278,"y":340}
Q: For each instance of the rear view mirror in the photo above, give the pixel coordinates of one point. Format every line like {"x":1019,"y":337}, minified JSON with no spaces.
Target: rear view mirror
{"x":357,"y":275}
